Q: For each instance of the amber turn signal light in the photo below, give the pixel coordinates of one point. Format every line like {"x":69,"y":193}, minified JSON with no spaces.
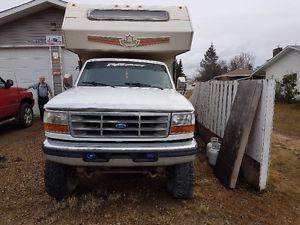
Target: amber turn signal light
{"x":56,"y":128}
{"x":183,"y":129}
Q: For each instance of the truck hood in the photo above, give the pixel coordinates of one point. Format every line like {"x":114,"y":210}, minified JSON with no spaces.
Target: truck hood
{"x":18,"y":88}
{"x":120,"y":98}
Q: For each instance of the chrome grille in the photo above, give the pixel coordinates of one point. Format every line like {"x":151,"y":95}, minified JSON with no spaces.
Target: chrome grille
{"x":119,"y":124}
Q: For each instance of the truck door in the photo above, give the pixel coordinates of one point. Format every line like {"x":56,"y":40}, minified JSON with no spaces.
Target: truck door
{"x":8,"y":100}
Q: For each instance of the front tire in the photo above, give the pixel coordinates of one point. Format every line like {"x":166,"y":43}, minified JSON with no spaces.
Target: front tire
{"x":25,"y":116}
{"x":181,"y":180}
{"x":59,"y":180}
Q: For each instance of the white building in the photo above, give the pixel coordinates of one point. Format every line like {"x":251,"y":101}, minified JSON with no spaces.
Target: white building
{"x":32,"y":44}
{"x":285,"y":61}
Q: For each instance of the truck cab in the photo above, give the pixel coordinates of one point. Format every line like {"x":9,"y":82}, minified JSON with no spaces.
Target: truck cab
{"x":122,"y":112}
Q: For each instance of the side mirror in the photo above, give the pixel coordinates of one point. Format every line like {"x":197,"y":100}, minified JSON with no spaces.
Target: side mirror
{"x":68,"y":81}
{"x":181,"y":84}
{"x":9,"y":83}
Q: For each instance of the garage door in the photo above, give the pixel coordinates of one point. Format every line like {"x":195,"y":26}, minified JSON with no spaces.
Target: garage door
{"x":24,"y":66}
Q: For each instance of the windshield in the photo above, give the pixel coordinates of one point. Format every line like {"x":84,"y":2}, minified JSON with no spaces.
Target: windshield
{"x":125,"y":73}
{"x":2,"y":83}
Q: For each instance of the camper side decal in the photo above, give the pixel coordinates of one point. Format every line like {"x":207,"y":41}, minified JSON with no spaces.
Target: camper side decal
{"x":129,"y":40}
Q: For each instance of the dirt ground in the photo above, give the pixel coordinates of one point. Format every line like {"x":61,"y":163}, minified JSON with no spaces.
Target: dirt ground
{"x":137,"y":199}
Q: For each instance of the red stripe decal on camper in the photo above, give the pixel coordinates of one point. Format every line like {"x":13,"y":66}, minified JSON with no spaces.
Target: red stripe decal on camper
{"x":105,"y":40}
{"x":129,"y":41}
{"x":153,"y":41}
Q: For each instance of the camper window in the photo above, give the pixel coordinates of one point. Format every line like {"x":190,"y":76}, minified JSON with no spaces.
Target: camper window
{"x":131,"y":15}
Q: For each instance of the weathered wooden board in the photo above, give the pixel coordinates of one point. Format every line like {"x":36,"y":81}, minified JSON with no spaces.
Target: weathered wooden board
{"x":237,"y":132}
{"x":258,"y":148}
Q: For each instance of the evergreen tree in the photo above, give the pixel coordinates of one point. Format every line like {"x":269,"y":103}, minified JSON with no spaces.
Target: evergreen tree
{"x":178,"y":69}
{"x":209,"y":66}
{"x":288,"y":85}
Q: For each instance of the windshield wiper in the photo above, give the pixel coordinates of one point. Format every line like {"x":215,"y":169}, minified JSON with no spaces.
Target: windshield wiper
{"x":143,"y":85}
{"x":97,"y":84}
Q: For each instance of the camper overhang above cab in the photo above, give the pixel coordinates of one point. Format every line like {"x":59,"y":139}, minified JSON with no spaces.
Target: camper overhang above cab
{"x":148,"y":32}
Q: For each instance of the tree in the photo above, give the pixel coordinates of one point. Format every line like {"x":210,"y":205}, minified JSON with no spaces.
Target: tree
{"x":242,"y":61}
{"x":224,"y":66}
{"x":209,"y":66}
{"x":288,"y":88}
{"x":178,"y":69}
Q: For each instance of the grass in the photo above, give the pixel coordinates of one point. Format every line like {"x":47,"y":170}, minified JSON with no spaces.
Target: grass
{"x":287,"y":119}
{"x":285,"y":150}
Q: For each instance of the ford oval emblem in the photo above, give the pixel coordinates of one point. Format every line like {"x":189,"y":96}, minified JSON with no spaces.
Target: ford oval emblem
{"x":121,"y":126}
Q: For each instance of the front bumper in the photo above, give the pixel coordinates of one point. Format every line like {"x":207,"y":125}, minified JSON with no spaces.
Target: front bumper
{"x":117,"y":154}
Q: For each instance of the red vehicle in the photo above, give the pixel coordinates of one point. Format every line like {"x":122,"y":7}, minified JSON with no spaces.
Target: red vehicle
{"x":15,"y":104}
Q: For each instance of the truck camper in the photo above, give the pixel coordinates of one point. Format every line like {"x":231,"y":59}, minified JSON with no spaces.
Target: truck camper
{"x":123,"y":113}
{"x":115,"y":31}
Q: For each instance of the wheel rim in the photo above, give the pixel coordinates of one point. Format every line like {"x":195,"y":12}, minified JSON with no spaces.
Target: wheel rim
{"x":28,"y":116}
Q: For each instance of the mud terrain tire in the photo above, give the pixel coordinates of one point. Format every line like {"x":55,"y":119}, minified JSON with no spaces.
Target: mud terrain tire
{"x":55,"y":179}
{"x":181,"y":180}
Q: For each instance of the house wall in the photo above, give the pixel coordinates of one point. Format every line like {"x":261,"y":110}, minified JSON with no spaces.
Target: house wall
{"x":288,"y":64}
{"x":24,"y":54}
{"x":32,"y":29}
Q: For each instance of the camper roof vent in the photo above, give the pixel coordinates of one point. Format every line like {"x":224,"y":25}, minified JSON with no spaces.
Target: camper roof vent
{"x":128,"y":15}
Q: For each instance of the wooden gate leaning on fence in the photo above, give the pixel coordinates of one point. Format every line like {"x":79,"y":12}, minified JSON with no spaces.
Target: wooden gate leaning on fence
{"x":213,"y":101}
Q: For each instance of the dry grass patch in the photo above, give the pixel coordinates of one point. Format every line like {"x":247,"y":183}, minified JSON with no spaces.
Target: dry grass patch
{"x":287,"y":119}
{"x":285,"y":150}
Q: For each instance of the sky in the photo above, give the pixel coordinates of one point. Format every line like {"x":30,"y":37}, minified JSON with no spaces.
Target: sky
{"x":233,"y":26}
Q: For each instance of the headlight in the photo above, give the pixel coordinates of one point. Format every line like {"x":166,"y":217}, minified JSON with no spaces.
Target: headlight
{"x":182,"y":123}
{"x":56,"y":122}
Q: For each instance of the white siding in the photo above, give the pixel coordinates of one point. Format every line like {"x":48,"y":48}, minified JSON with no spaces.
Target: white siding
{"x":290,"y":63}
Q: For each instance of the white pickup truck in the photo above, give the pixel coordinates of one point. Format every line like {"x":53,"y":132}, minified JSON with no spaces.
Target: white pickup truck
{"x":122,"y":113}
